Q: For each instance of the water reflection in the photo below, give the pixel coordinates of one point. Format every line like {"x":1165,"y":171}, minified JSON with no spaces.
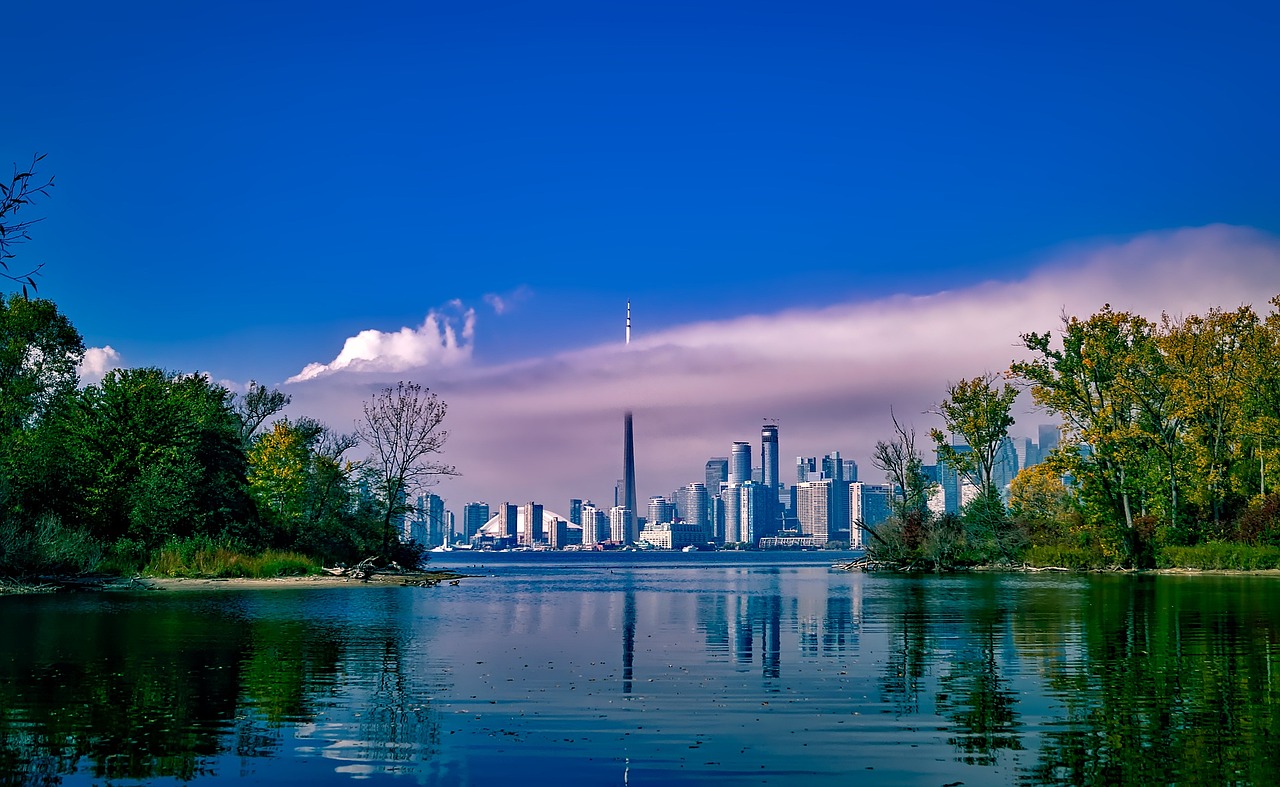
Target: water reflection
{"x":732,"y":674}
{"x":187,"y":686}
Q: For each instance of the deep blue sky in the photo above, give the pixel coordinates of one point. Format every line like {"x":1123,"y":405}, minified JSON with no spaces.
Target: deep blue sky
{"x":243,"y":185}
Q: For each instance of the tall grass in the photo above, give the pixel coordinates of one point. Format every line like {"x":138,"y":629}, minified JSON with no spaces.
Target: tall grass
{"x":1065,"y":556}
{"x":202,"y":557}
{"x":1219,"y":555}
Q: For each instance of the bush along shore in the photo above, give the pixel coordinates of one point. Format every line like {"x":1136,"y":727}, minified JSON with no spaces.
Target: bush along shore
{"x":155,"y":472}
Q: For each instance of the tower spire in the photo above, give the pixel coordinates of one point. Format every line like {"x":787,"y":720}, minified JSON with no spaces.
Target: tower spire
{"x":628,"y":321}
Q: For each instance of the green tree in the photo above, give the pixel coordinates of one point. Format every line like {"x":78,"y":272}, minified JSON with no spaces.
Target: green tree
{"x":1086,"y":382}
{"x":978,"y":411}
{"x":164,"y":457}
{"x":302,"y":487}
{"x":1211,"y":370}
{"x":39,"y":351}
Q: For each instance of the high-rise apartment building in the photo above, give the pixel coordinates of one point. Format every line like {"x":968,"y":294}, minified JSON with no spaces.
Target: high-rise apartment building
{"x":769,"y":456}
{"x":474,"y":515}
{"x":869,"y":504}
{"x":692,"y":502}
{"x":595,"y":524}
{"x":771,"y":521}
{"x":510,"y":520}
{"x":813,"y":508}
{"x":619,"y":520}
{"x":575,"y":511}
{"x":740,"y":463}
{"x":531,"y":515}
{"x":660,"y":510}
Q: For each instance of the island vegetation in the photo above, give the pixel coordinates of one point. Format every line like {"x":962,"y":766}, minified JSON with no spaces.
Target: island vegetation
{"x":1168,"y":455}
{"x":170,"y":473}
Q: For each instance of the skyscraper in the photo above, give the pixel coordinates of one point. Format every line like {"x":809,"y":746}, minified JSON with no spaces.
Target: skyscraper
{"x":1048,"y":435}
{"x":660,"y":510}
{"x":771,"y":506}
{"x":740,"y":463}
{"x":692,"y":502}
{"x":474,"y":515}
{"x":575,"y":510}
{"x":717,"y":473}
{"x":769,"y":456}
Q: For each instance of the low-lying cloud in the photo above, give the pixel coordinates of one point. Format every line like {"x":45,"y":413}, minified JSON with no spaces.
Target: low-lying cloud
{"x":444,"y":339}
{"x":550,"y":428}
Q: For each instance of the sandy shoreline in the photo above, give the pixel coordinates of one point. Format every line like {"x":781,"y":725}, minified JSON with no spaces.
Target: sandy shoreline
{"x":124,"y":584}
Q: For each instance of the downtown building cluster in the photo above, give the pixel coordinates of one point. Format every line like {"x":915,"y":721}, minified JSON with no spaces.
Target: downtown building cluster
{"x":740,"y":501}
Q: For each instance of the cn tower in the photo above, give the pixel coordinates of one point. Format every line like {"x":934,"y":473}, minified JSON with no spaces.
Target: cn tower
{"x":629,"y":463}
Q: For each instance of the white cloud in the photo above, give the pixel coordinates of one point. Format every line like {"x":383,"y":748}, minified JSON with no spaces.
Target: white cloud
{"x":439,"y":341}
{"x":550,"y":428}
{"x":495,"y":301}
{"x":96,"y":363}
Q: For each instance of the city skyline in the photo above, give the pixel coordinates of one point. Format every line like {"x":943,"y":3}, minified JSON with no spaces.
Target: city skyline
{"x":818,"y":213}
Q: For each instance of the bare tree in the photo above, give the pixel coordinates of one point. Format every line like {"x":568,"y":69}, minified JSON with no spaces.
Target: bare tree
{"x":402,"y":427}
{"x":21,"y":190}
{"x":903,"y":468}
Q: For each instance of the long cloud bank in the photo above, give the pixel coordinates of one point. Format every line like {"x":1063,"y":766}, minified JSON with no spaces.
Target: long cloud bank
{"x":550,"y":428}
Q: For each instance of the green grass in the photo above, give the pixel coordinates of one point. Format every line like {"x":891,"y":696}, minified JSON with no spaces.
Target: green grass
{"x":1219,"y":555}
{"x":1064,"y":557}
{"x":203,"y":558}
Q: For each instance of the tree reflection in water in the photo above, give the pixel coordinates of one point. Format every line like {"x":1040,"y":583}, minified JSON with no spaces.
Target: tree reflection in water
{"x":126,"y":689}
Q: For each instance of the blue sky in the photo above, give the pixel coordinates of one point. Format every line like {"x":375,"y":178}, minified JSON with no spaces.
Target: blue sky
{"x":242,"y":187}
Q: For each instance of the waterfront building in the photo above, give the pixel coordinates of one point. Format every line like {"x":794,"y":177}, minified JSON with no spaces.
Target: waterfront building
{"x":595,"y":524}
{"x":474,"y":515}
{"x":660,"y":510}
{"x":692,"y":503}
{"x":673,"y":535}
{"x":575,"y":511}
{"x":745,"y":514}
{"x":715,"y":518}
{"x":509,"y":521}
{"x":558,"y":533}
{"x":620,"y":519}
{"x":531,"y":518}
{"x":869,"y":504}
{"x":432,"y":508}
{"x":813,"y":508}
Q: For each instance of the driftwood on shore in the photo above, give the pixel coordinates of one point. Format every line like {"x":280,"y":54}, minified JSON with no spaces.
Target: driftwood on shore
{"x":370,"y":567}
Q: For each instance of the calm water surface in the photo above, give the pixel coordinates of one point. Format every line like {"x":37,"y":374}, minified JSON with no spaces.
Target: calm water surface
{"x":651,"y":669}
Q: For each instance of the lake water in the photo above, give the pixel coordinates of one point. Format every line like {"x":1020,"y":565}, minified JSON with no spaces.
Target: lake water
{"x":643,"y":669}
